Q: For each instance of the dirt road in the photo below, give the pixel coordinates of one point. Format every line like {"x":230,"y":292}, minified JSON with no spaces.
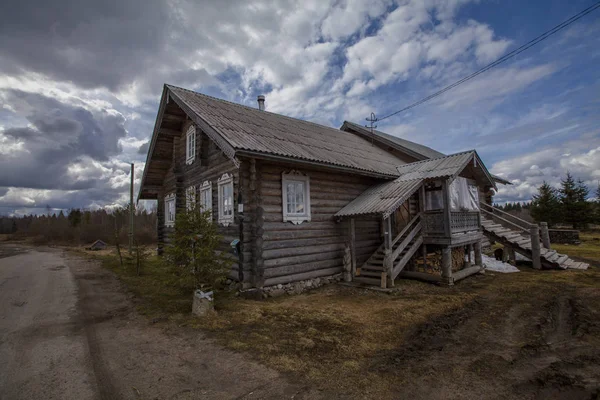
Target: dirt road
{"x":69,"y":331}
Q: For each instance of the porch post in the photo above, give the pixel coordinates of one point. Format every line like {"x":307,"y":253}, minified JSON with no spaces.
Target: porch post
{"x":478,"y":256}
{"x":545,"y":235}
{"x":387,"y":262}
{"x":353,"y":246}
{"x":446,"y":194}
{"x":447,"y":265}
{"x":534,"y":232}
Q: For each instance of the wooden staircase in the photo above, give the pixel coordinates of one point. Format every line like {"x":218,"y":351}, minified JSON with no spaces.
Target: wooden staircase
{"x":514,"y":233}
{"x":377,"y":272}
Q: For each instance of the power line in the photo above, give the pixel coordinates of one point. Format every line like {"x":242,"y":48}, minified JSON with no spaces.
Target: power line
{"x":513,"y":53}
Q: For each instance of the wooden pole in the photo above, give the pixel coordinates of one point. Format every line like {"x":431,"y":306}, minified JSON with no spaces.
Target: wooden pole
{"x":545,"y":234}
{"x":535,"y":247}
{"x":447,"y":265}
{"x":446,"y":194}
{"x":131,"y":212}
{"x":353,"y":246}
{"x":478,"y":256}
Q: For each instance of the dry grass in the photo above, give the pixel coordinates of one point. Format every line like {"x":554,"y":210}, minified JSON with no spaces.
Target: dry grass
{"x":333,"y":336}
{"x":588,"y":249}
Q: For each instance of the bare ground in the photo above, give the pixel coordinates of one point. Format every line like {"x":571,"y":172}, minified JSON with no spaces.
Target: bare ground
{"x":69,"y":330}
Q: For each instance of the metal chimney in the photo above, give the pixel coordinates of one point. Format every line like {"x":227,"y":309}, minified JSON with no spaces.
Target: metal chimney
{"x":261,"y":102}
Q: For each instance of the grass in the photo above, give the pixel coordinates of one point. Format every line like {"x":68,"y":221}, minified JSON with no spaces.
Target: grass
{"x":589,"y":248}
{"x":330,"y":336}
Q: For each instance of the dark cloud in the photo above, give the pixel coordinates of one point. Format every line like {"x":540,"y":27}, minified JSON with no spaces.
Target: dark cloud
{"x":144,"y":148}
{"x":59,"y":135}
{"x":91,"y":43}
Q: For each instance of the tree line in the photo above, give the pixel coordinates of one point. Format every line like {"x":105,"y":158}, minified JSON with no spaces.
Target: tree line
{"x":79,"y":226}
{"x":567,"y":204}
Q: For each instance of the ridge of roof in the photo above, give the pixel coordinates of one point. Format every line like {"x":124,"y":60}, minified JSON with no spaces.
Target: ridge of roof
{"x":251,"y":108}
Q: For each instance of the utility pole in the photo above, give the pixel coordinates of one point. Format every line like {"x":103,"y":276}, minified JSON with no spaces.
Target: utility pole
{"x":372,"y":120}
{"x":131,"y":212}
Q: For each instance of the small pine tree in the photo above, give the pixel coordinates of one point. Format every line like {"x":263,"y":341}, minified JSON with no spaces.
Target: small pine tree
{"x":195,"y":247}
{"x":597,"y":206}
{"x":545,"y":206}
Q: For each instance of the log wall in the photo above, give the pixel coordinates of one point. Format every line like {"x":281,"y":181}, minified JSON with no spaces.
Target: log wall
{"x":289,"y":252}
{"x":210,"y":164}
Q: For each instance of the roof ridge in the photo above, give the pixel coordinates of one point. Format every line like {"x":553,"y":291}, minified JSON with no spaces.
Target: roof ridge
{"x":438,"y":158}
{"x":255,"y":109}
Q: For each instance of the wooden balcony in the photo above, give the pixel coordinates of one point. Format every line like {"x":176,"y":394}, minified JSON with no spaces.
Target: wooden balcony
{"x":465,"y":226}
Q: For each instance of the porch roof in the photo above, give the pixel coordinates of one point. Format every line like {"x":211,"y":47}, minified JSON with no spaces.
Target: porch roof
{"x":385,"y":198}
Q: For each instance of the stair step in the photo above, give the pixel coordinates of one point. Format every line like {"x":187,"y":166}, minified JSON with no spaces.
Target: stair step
{"x":368,"y":281}
{"x":370,"y":273}
{"x":371,"y":267}
{"x":562,"y":258}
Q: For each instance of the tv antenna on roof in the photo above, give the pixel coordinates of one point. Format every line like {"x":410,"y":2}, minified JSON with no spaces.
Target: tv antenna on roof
{"x":372,"y":120}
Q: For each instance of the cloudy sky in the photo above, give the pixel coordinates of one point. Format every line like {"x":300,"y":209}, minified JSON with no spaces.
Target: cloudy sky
{"x":80,"y":82}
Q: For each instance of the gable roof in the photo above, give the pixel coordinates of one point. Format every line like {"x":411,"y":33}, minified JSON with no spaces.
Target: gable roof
{"x":252,"y":131}
{"x":385,"y":198}
{"x":415,"y":150}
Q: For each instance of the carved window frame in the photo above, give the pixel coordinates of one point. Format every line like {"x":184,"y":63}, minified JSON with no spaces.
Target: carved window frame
{"x":295,"y":177}
{"x":190,"y":145}
{"x":226,"y":211}
{"x":206,"y":188}
{"x":170,"y":199}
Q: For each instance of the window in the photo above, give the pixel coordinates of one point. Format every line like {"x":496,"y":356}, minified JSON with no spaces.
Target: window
{"x":225,"y":185}
{"x":206,"y":196}
{"x":170,"y":210}
{"x":190,"y":148}
{"x":295,"y":193}
{"x":190,"y":198}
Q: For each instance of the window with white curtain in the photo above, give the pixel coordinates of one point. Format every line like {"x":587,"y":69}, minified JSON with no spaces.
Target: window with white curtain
{"x":190,"y":148}
{"x":206,"y":196}
{"x":170,"y":210}
{"x":225,"y":186}
{"x":295,"y":191}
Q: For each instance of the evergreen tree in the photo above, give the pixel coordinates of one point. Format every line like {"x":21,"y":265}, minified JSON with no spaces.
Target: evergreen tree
{"x":575,"y":208}
{"x":545,"y":206}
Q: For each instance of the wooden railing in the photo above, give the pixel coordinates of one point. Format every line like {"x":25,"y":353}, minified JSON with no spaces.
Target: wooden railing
{"x":460,"y":221}
{"x":433,"y":222}
{"x":507,"y":220}
{"x":464,"y":221}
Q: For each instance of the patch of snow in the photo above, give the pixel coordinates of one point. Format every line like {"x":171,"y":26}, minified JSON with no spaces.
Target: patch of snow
{"x":491,"y":264}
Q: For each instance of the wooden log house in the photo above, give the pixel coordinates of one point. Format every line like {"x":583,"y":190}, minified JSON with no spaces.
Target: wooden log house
{"x":298,"y":195}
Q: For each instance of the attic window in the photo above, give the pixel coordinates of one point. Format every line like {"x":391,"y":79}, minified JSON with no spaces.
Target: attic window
{"x":295,"y":192}
{"x":170,"y":210}
{"x":225,"y":185}
{"x":190,"y":148}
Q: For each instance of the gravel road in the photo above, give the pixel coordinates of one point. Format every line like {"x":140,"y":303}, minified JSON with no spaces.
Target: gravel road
{"x":68,"y":330}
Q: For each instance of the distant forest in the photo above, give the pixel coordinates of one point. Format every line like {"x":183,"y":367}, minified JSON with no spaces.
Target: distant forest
{"x":82,"y":226}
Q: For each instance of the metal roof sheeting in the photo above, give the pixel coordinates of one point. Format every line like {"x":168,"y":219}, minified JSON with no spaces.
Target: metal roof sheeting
{"x":387,"y":197}
{"x":421,"y":151}
{"x":384,"y":198}
{"x":251,"y":129}
{"x":435,"y":168}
